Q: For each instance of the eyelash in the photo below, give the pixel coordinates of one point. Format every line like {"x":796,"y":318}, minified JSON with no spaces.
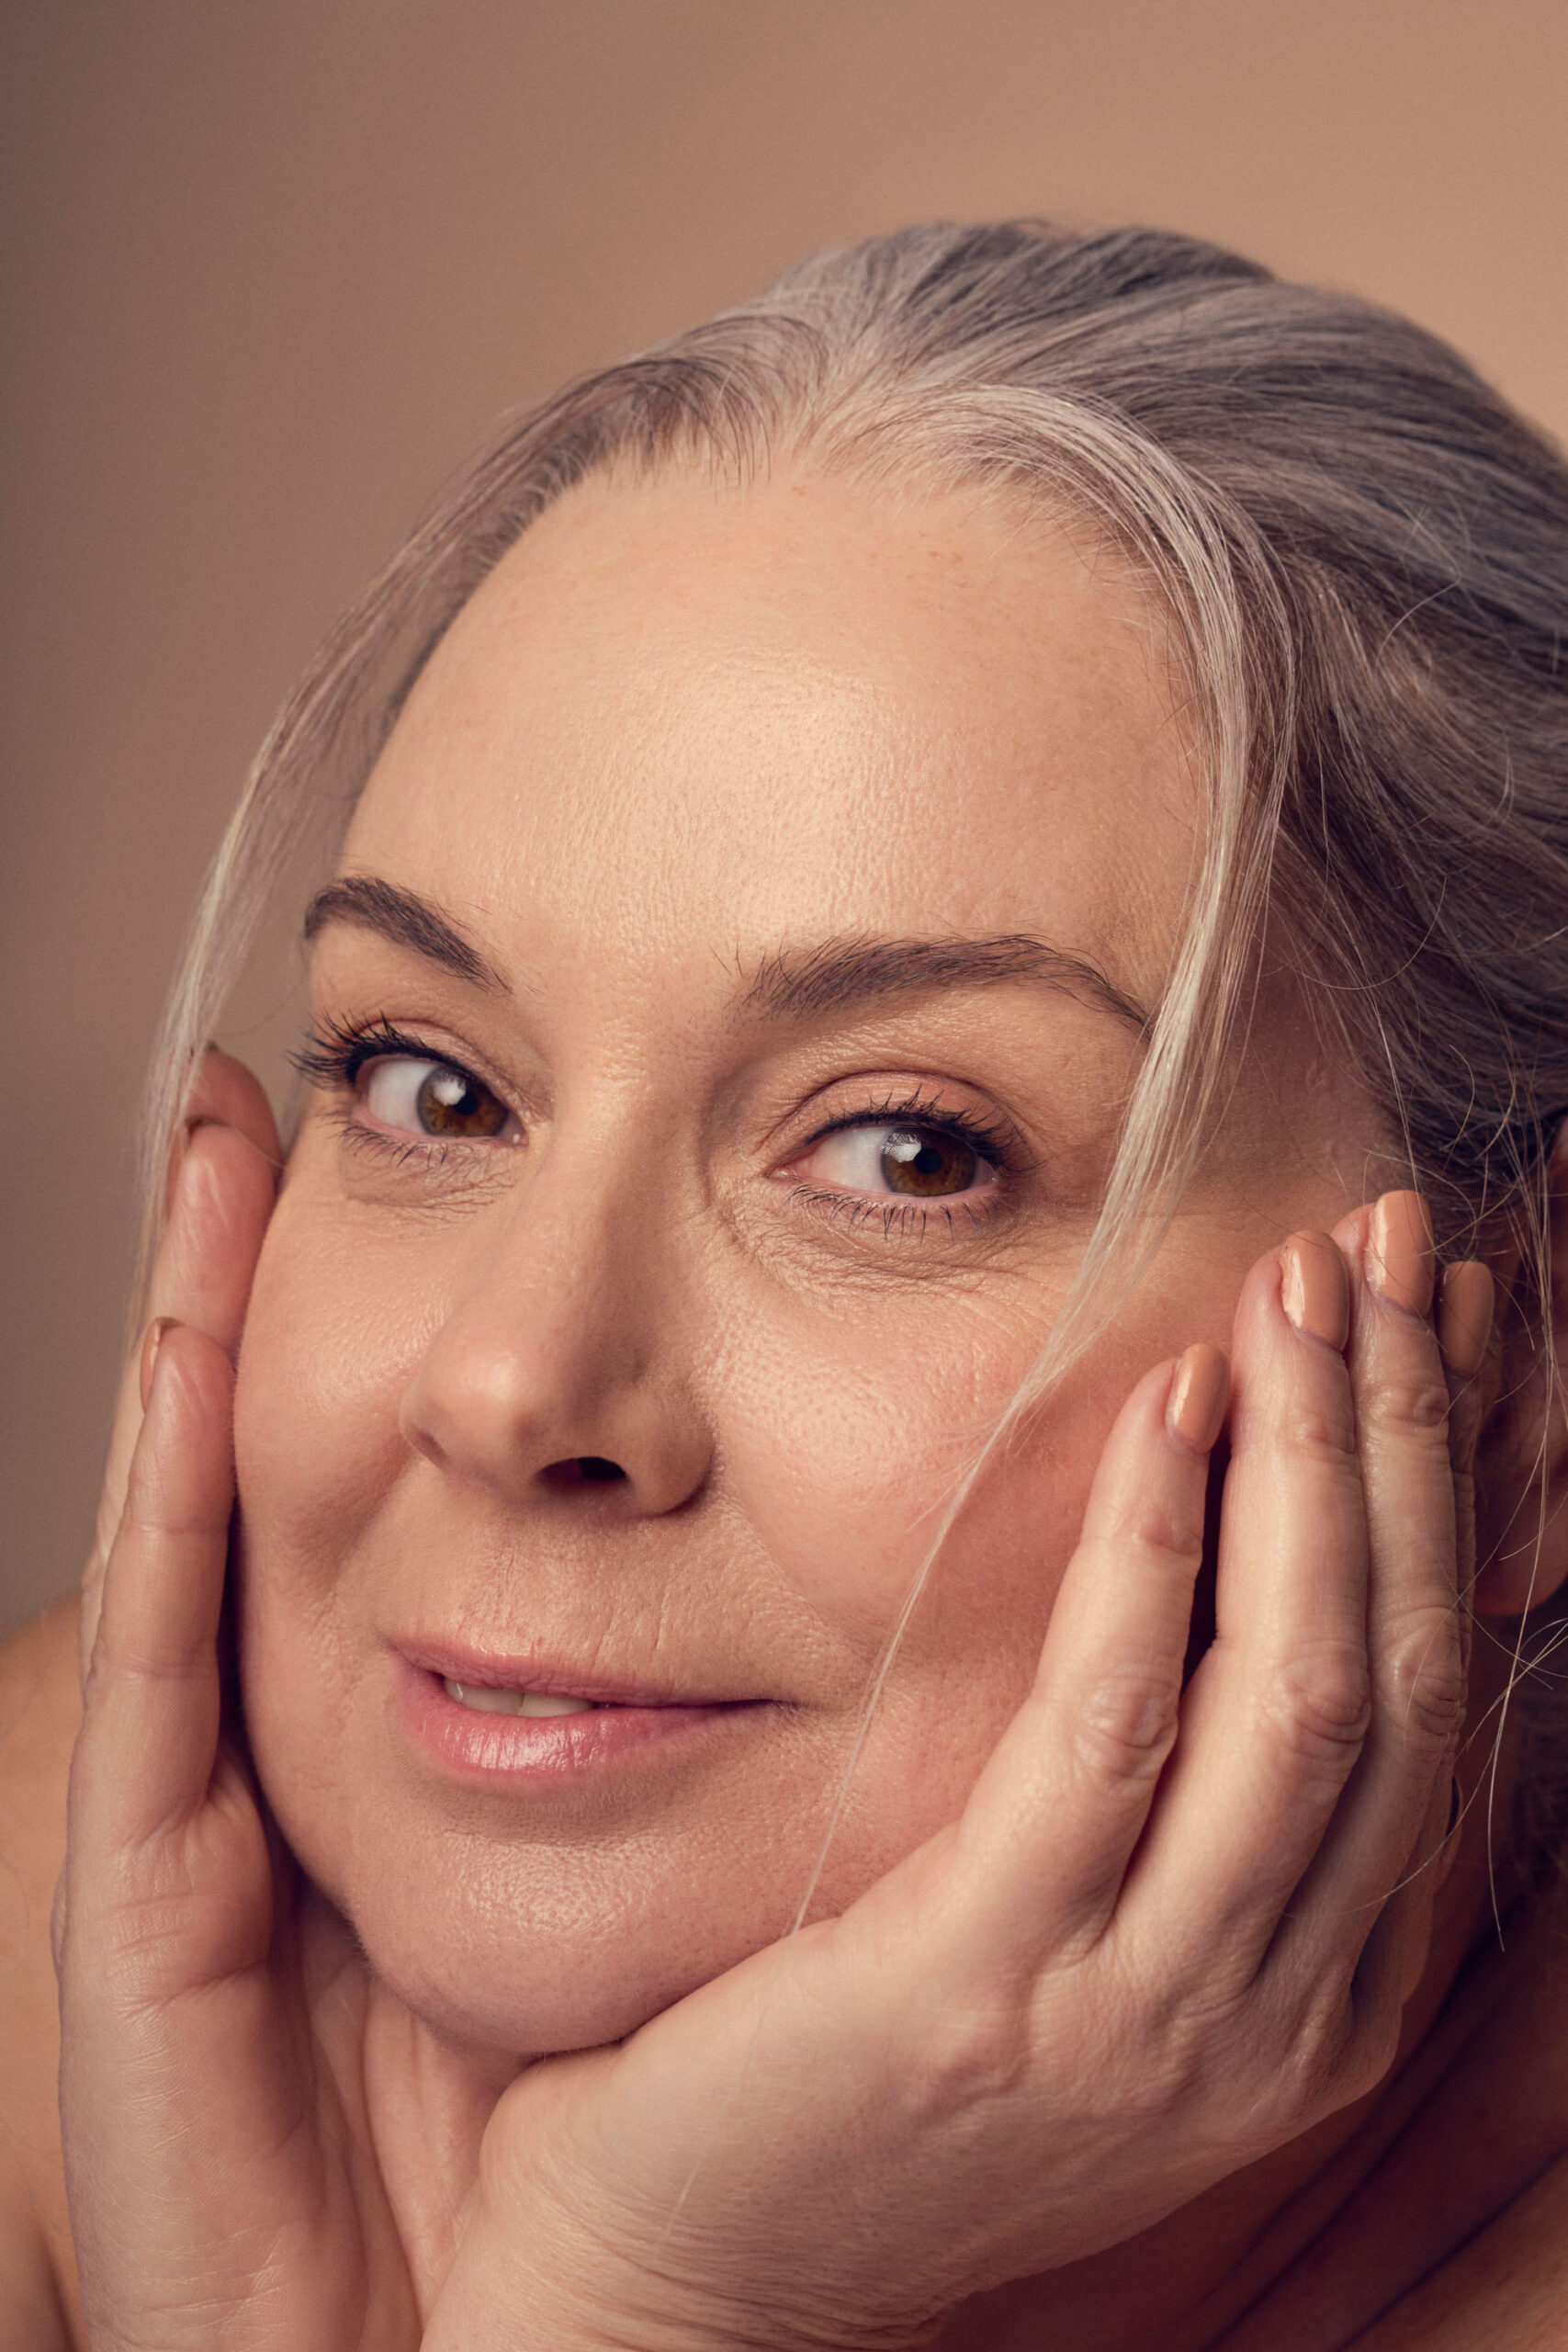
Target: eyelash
{"x":334,"y":1055}
{"x":993,"y":1140}
{"x":331,"y":1059}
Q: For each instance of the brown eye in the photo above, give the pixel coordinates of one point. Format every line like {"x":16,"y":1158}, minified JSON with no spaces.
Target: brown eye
{"x":432,"y":1099}
{"x":921,"y":1161}
{"x":451,"y":1105}
{"x":928,"y":1161}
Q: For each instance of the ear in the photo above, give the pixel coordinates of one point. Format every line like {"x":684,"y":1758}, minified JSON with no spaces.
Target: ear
{"x":1521,"y":1467}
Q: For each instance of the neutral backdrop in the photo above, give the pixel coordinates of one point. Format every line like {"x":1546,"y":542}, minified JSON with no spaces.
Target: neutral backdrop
{"x":272,"y":267}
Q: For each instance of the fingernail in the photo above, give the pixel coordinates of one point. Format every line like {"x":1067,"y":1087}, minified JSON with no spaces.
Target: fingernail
{"x":1314,"y":1289}
{"x":1199,"y":1391}
{"x":150,"y":1346}
{"x":1464,"y":1317}
{"x":1399,"y":1247}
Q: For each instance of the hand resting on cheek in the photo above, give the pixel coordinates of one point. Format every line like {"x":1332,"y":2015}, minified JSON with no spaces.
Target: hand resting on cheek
{"x":1158,"y":1943}
{"x":780,"y":1649}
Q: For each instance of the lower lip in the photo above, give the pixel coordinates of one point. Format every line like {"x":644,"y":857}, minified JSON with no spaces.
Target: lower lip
{"x":484,"y":1747}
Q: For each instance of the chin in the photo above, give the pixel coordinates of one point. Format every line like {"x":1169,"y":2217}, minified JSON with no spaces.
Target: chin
{"x":536,"y":1951}
{"x":485,"y":2003}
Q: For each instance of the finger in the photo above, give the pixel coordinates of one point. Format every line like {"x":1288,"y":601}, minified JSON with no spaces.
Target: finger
{"x":1466,"y":1331}
{"x":224,"y":1094}
{"x":1466,"y":1320}
{"x":1391,"y":1962}
{"x":222,"y":1189}
{"x":1274,"y":1717}
{"x":1393,"y":1957}
{"x":1063,"y":1798}
{"x":151,"y":1716}
{"x":211,"y":1215}
{"x":1413,"y":1628}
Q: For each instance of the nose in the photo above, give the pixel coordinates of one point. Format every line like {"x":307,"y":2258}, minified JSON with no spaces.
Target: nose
{"x":558,"y":1368}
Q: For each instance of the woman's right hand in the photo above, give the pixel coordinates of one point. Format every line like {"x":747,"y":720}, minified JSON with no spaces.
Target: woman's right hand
{"x":249,"y":2123}
{"x":221,"y":1184}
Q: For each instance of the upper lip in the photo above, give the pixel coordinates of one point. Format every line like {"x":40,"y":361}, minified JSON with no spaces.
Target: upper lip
{"x":495,"y":1670}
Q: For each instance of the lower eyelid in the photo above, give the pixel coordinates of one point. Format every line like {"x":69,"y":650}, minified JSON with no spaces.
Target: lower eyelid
{"x":905,"y":1216}
{"x":391,"y":1152}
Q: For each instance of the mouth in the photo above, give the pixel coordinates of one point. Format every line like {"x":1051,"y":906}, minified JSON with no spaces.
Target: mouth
{"x":485,"y":1717}
{"x":483,"y":1700}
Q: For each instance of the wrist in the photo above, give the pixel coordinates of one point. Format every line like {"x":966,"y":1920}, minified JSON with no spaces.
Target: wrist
{"x":591,"y":2297}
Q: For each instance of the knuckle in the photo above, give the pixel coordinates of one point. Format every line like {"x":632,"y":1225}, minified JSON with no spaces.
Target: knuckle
{"x":1126,"y":1724}
{"x":1320,"y":1702}
{"x":1338,"y":2051}
{"x":973,"y":2054}
{"x":1168,"y":1533}
{"x":1312,"y":2067}
{"x":1422,"y":1680}
{"x":1323,"y":1431}
{"x":1414,"y":1406}
{"x":155,"y":1513}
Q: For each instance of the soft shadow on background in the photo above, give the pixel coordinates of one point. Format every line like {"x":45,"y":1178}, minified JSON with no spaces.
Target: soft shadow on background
{"x":272,"y":266}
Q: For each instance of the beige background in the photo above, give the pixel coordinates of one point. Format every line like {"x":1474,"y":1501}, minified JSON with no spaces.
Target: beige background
{"x":272,"y":266}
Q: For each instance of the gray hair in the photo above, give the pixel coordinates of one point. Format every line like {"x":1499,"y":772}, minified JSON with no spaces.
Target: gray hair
{"x":1363,"y":554}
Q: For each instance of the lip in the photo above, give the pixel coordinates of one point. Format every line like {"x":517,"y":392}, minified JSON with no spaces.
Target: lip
{"x":627,"y":1724}
{"x":494,"y":1670}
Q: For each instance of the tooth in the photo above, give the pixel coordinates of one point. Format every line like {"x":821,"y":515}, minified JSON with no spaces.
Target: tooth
{"x":485,"y":1700}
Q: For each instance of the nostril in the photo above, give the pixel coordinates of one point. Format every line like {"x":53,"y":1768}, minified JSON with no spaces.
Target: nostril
{"x":575,"y":1471}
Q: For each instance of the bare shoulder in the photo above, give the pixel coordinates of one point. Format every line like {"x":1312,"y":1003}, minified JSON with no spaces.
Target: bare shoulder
{"x":1507,"y":2290}
{"x":1495,"y":2171}
{"x":40,"y":1710}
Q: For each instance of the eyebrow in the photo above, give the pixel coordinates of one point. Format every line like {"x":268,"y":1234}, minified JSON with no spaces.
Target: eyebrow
{"x":838,"y":973}
{"x":793,"y":984}
{"x":404,"y":918}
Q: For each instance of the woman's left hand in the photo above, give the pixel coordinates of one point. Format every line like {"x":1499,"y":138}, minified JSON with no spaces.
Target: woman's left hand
{"x":1173,"y":1929}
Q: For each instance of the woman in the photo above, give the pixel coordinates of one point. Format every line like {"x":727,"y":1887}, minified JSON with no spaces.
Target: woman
{"x":870,"y":1424}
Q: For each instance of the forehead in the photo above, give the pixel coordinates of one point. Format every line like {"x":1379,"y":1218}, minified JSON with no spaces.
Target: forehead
{"x":680,"y":717}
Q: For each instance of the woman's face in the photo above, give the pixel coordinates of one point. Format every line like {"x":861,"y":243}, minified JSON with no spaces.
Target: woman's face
{"x":726,"y":1026}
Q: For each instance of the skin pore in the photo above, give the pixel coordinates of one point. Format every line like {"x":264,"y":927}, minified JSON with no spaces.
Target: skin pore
{"x":723,"y":1019}
{"x":682,"y":749}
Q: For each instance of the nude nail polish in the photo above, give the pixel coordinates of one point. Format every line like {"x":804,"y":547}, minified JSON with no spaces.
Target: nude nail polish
{"x":1199,"y":1391}
{"x":156,"y":1331}
{"x":1465,"y":1303}
{"x":1400,"y":1251}
{"x":1314,"y":1289}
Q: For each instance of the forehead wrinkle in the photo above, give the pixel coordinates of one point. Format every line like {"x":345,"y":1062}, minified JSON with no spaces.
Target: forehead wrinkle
{"x":800,"y":983}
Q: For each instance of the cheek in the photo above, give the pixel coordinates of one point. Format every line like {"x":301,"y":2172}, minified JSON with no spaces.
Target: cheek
{"x":842,"y":1437}
{"x":327,"y":1356}
{"x":849,"y":1445}
{"x":333,"y":1336}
